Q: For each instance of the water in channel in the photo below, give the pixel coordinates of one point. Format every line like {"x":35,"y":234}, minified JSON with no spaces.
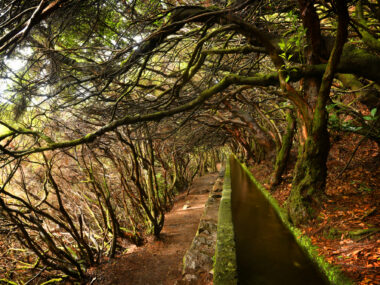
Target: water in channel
{"x":266,"y":251}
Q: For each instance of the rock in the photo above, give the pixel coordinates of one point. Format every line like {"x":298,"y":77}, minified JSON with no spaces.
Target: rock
{"x":198,"y":260}
{"x":207,"y":227}
{"x":218,"y":186}
{"x":190,"y":278}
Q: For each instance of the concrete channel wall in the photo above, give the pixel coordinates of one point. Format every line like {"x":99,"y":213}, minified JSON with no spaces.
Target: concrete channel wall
{"x":212,"y":254}
{"x":333,"y":274}
{"x":225,"y":269}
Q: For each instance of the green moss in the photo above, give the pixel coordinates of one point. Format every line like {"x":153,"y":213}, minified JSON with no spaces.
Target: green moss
{"x":225,"y":269}
{"x":333,"y":233}
{"x":310,"y":173}
{"x":6,"y":281}
{"x":54,"y":280}
{"x":333,"y":274}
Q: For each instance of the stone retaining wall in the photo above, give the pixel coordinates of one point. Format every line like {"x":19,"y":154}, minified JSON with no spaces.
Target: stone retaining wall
{"x":198,"y":260}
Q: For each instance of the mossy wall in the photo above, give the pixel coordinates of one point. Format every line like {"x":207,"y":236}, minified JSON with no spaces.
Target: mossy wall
{"x":225,"y":269}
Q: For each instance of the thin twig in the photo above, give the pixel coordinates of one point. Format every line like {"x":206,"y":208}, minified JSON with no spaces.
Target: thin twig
{"x":356,"y":148}
{"x":38,"y":274}
{"x":352,"y":156}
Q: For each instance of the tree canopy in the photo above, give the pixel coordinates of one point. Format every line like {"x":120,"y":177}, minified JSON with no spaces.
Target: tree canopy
{"x":120,"y":103}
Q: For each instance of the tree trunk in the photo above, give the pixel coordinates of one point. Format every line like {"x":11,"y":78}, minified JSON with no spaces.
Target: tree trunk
{"x":310,"y":172}
{"x":283,"y":154}
{"x":261,"y":135}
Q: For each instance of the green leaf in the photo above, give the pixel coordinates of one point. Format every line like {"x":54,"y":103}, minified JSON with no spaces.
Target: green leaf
{"x":368,"y":118}
{"x":373,"y":112}
{"x":282,"y":45}
{"x":287,"y":78}
{"x":333,"y":118}
{"x":330,"y":107}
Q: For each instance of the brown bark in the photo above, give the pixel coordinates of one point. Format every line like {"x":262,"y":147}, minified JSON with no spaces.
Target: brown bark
{"x":310,"y":173}
{"x":261,"y":136}
{"x":284,"y":152}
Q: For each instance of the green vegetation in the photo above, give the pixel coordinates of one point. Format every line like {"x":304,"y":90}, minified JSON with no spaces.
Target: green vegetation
{"x":110,"y":108}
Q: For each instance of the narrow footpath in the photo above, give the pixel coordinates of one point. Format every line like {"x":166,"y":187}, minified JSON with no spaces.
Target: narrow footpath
{"x":160,"y":262}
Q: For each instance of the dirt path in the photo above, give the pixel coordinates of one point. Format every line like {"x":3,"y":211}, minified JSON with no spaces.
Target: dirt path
{"x":160,"y":262}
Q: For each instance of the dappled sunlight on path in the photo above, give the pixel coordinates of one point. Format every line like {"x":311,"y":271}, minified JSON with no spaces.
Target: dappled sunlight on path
{"x":160,"y":261}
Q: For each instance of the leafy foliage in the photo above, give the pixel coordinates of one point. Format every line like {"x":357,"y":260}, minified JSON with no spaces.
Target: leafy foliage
{"x":108,"y":109}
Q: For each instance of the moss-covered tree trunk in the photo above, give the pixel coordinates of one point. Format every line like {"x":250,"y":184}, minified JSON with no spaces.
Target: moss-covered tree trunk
{"x":282,"y":156}
{"x":310,"y":172}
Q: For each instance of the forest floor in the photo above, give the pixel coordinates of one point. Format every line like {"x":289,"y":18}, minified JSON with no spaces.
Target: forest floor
{"x":347,"y":228}
{"x":160,"y":261}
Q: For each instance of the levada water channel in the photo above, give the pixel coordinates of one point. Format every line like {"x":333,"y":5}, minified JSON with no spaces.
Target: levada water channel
{"x":266,"y":251}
